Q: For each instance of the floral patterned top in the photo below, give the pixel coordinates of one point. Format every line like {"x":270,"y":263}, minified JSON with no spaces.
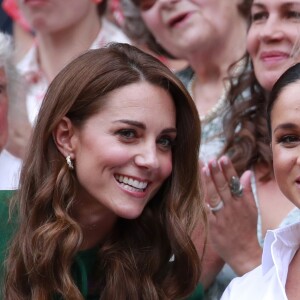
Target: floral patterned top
{"x":37,"y":81}
{"x":212,"y":138}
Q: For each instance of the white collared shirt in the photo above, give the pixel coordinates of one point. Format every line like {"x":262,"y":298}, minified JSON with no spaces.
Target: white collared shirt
{"x":10,"y":167}
{"x":37,"y":81}
{"x":267,"y":282}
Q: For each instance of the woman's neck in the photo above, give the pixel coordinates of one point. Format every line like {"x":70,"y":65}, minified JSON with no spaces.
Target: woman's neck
{"x":212,"y":68}
{"x":206,"y":94}
{"x":55,"y":50}
{"x":94,"y":234}
{"x":211,"y":64}
{"x":95,"y":220}
{"x":229,"y":48}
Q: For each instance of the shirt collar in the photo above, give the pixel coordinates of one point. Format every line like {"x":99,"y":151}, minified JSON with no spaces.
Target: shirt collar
{"x":278,"y":242}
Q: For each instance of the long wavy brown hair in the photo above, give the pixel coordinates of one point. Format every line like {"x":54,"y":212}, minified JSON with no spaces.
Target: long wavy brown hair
{"x":135,"y":258}
{"x":245,"y":124}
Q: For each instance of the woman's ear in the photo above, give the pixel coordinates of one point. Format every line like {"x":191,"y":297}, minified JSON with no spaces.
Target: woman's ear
{"x":64,"y":137}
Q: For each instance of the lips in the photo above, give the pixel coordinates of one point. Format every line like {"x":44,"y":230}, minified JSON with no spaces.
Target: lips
{"x":270,"y":56}
{"x":174,"y":21}
{"x":131,"y":183}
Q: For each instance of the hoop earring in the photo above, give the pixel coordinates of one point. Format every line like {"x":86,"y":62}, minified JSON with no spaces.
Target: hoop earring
{"x":69,"y":162}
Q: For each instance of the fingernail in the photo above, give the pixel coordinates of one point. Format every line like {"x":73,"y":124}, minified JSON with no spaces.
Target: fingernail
{"x":214,"y":164}
{"x":225,"y":160}
{"x":205,"y":171}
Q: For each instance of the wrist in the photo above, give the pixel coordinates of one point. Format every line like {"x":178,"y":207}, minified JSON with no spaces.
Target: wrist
{"x":246,"y":261}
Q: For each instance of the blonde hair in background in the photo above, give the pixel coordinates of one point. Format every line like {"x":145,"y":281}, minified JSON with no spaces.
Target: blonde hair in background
{"x":5,"y":49}
{"x":19,"y":126}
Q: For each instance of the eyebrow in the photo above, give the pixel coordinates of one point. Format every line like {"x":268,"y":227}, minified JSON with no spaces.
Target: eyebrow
{"x":143,"y":126}
{"x":287,"y":4}
{"x":257,"y":5}
{"x":131,"y":122}
{"x":285,"y":126}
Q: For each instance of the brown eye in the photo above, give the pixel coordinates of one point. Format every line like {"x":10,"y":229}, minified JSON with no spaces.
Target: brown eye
{"x":289,"y":140}
{"x":127,"y":133}
{"x":293,"y":14}
{"x":259,"y":16}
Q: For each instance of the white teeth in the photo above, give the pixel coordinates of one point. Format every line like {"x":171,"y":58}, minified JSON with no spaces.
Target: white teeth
{"x":129,"y":188}
{"x":136,"y":184}
{"x":131,"y":183}
{"x":143,"y":185}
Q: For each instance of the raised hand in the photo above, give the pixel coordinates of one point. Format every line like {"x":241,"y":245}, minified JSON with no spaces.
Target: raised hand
{"x":233,"y":215}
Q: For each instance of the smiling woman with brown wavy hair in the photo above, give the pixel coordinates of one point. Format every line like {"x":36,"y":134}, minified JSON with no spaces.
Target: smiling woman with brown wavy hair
{"x":109,"y":191}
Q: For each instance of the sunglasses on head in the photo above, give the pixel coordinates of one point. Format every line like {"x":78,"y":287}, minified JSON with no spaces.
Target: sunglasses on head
{"x":144,"y":4}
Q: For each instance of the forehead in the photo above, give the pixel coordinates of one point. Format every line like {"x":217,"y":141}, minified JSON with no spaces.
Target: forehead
{"x":288,"y":100}
{"x":140,"y":97}
{"x":274,"y":2}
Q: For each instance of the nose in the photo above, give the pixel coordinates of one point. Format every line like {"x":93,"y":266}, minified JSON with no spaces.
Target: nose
{"x":147,"y":157}
{"x":272,"y":30}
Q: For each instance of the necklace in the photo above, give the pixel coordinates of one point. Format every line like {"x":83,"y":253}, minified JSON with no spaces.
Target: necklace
{"x":213,"y":112}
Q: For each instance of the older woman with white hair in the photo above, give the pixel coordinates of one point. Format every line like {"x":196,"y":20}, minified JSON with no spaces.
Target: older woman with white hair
{"x":14,"y":124}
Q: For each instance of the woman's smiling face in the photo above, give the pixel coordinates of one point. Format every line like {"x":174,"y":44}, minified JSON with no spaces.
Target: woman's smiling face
{"x":56,"y":15}
{"x":273,"y":40}
{"x":123,"y":154}
{"x":285,"y":134}
{"x":182,"y":26}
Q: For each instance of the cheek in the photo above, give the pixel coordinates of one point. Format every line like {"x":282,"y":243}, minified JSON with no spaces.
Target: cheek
{"x":152,"y":20}
{"x":25,"y":11}
{"x":277,"y":169}
{"x":295,"y":52}
{"x":283,"y":162}
{"x":166,"y":166}
{"x":198,"y":2}
{"x":251,"y":42}
{"x":110,"y":156}
{"x":95,"y":166}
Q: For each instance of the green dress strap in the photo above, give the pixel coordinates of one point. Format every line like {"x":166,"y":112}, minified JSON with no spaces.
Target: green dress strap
{"x":7,"y":229}
{"x":7,"y":226}
{"x":84,"y":264}
{"x":198,"y":293}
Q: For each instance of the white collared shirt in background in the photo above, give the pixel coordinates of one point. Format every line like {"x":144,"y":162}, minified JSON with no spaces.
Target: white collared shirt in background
{"x":10,"y":167}
{"x":267,"y":282}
